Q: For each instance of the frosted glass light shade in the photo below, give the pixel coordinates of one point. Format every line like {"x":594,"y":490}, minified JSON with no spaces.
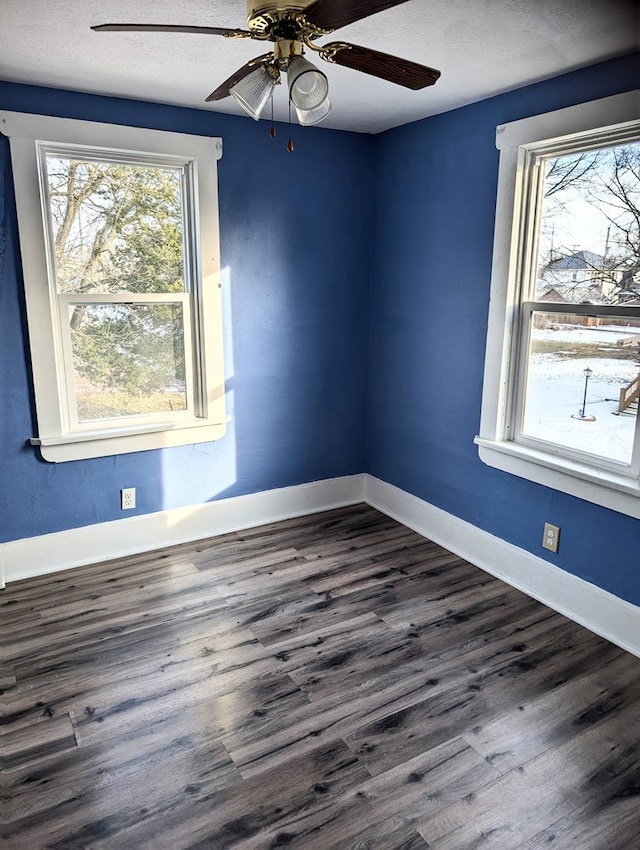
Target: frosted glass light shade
{"x":308,"y":87}
{"x":307,"y":117}
{"x":253,"y":91}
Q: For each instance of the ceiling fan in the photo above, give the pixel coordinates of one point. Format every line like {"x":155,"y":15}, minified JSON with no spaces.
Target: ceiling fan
{"x":293,"y":25}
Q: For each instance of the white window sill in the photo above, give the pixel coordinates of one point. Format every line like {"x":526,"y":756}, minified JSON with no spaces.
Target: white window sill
{"x":82,"y":445}
{"x":601,"y":487}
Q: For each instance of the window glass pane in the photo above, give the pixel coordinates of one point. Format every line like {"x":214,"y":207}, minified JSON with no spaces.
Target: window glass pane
{"x":589,"y":248}
{"x":115,"y":227}
{"x":578,"y":370}
{"x":128,"y":359}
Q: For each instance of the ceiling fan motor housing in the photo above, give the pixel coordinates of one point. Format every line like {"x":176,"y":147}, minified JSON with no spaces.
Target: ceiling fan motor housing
{"x":276,"y":19}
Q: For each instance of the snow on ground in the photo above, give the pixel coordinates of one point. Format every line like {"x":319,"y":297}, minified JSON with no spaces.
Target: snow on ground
{"x":606,"y":334}
{"x":555,"y":390}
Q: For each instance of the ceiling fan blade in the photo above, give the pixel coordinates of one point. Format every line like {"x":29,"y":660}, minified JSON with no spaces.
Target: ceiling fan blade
{"x":391,"y":68}
{"x":229,"y":33}
{"x":333,"y":14}
{"x":224,"y":88}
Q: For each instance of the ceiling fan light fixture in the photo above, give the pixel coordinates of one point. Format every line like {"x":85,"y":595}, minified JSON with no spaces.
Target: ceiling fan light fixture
{"x":307,"y":117}
{"x":308,"y":87}
{"x":254,"y":90}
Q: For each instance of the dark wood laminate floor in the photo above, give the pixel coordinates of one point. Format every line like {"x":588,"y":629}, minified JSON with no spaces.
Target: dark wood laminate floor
{"x":333,"y":681}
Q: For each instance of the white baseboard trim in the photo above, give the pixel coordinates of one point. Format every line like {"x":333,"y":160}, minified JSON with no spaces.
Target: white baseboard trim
{"x":49,"y":553}
{"x":599,"y":611}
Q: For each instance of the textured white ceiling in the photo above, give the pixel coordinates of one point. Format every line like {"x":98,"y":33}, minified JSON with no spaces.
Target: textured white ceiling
{"x":482,"y":47}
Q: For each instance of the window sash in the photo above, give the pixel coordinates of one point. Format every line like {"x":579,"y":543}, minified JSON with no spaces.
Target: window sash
{"x":526,"y":225}
{"x":190,"y":300}
{"x":69,"y":409}
{"x":632,"y":469}
{"x":188,"y":197}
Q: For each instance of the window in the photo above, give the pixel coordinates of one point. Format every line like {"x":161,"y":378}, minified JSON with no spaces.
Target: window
{"x":562,"y":369}
{"x":123,"y":295}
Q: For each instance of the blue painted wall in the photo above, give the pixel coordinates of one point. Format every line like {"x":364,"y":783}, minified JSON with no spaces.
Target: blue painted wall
{"x":436,"y":195}
{"x":295,"y":235}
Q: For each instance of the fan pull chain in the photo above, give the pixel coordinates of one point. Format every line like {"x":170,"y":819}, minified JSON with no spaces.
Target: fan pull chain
{"x":290,"y":142}
{"x":272,"y":130}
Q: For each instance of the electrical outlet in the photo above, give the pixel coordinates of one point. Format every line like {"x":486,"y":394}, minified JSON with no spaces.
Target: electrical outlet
{"x":128,"y":498}
{"x":551,"y":537}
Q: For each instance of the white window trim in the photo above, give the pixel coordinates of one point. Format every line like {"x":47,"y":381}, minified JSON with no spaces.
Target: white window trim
{"x":601,"y":486}
{"x":56,"y":439}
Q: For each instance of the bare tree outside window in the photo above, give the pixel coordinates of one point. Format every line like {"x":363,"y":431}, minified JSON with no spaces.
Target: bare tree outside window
{"x":118,"y":229}
{"x":588,"y":253}
{"x":590,"y":229}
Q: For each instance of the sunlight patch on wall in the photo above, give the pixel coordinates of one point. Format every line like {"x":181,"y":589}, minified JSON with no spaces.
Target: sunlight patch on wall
{"x":193,"y":475}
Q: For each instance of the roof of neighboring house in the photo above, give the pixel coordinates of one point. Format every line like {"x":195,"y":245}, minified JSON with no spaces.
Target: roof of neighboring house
{"x":573,"y":293}
{"x":552,"y":294}
{"x":579,"y":260}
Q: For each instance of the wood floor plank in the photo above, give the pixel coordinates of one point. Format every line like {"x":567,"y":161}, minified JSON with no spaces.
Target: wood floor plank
{"x":139,"y":682}
{"x":43,"y":594}
{"x":244,"y":589}
{"x":347,"y":825}
{"x":342,"y":523}
{"x":129,"y":703}
{"x":26,"y":745}
{"x":363,"y":545}
{"x":97,"y":774}
{"x":7,"y":678}
{"x":291,"y":612}
{"x":78,"y":816}
{"x":242,"y":556}
{"x":94,"y":624}
{"x":553,"y":718}
{"x":351,"y":663}
{"x":332,"y":682}
{"x":193,"y":731}
{"x":428,"y":782}
{"x":617,"y":826}
{"x":269,"y":802}
{"x":334,"y":716}
{"x":451,"y":711}
{"x":592,"y":766}
{"x":381,"y":570}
